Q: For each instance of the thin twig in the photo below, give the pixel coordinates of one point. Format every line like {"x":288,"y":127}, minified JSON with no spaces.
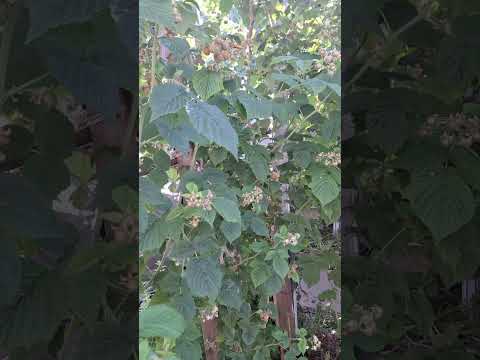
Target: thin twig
{"x":389,"y":41}
{"x":7,"y":40}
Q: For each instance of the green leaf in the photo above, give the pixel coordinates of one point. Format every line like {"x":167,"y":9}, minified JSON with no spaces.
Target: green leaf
{"x":157,"y":11}
{"x":255,"y":107}
{"x":161,"y":230}
{"x":161,"y":321}
{"x":185,"y":305}
{"x":54,"y":13}
{"x":312,"y":266}
{"x":178,"y":47}
{"x":167,"y":99}
{"x":249,"y":333}
{"x":207,"y":83}
{"x":324,"y":185}
{"x":319,"y":83}
{"x":217,"y":155}
{"x":126,"y":198}
{"x":225,"y":6}
{"x":258,"y":226}
{"x":81,"y":166}
{"x":280,"y":266}
{"x":210,"y":122}
{"x":188,"y":350}
{"x":260,"y":273}
{"x":257,"y":161}
{"x":231,"y":230}
{"x":204,"y":277}
{"x":442,"y":201}
{"x":228,"y":209}
{"x":468,"y":165}
{"x":230,"y":295}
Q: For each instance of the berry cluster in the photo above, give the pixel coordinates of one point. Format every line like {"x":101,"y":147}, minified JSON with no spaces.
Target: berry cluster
{"x":265,"y":315}
{"x":366,"y":320}
{"x":331,"y":158}
{"x":222,"y":49}
{"x":275,"y":175}
{"x":253,"y":197}
{"x":455,"y":129}
{"x":196,"y":200}
{"x":330,"y":59}
{"x":292,"y":239}
{"x":194,"y":221}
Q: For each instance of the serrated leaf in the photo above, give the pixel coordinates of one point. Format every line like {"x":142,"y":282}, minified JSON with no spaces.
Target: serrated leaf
{"x":204,"y":278}
{"x":178,"y":47}
{"x":442,"y":201}
{"x":257,"y":161}
{"x":167,"y":99}
{"x":51,"y":14}
{"x":161,"y":321}
{"x":255,"y":107}
{"x":230,"y":295}
{"x":324,"y":185}
{"x":157,"y":11}
{"x":210,"y":122}
{"x":260,"y":273}
{"x":280,"y":266}
{"x":228,"y":209}
{"x":231,"y":230}
{"x":81,"y":166}
{"x":207,"y":83}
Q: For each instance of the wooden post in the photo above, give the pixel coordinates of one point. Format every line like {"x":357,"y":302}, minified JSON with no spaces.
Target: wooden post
{"x":283,"y":300}
{"x":210,"y":330}
{"x":286,"y":316}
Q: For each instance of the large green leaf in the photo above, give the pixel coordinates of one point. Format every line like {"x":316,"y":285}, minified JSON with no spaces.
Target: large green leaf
{"x":161,"y":321}
{"x":231,"y":230}
{"x":207,"y":83}
{"x":167,"y":99}
{"x":442,"y":201}
{"x":257,"y":160}
{"x":228,"y":209}
{"x":21,"y":203}
{"x":160,"y":231}
{"x":178,"y":47}
{"x":45,"y":15}
{"x":178,"y":131}
{"x":157,"y":11}
{"x":255,"y":107}
{"x":325,"y":186}
{"x":204,"y":277}
{"x":210,"y":122}
{"x":231,"y":295}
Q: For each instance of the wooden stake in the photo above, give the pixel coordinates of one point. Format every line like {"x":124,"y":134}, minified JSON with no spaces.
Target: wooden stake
{"x":286,"y":316}
{"x":210,"y":330}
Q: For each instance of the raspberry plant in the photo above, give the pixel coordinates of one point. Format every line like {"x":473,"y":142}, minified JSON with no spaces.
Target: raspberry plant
{"x":239,"y":153}
{"x":411,"y":97}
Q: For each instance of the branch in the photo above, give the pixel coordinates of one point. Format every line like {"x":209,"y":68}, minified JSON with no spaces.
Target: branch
{"x":7,"y":40}
{"x":389,"y":41}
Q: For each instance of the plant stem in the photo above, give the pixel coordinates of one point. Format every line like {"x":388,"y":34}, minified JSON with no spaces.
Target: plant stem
{"x":153,"y":65}
{"x":389,"y":41}
{"x":390,"y":241}
{"x":15,"y":90}
{"x":132,"y":121}
{"x":7,"y":40}
{"x":194,"y":156}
